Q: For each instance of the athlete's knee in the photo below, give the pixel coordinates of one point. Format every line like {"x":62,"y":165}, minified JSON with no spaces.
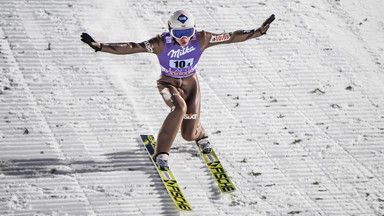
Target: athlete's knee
{"x":179,"y":105}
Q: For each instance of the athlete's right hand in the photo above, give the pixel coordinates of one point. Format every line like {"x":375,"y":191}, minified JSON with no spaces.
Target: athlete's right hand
{"x":86,"y":38}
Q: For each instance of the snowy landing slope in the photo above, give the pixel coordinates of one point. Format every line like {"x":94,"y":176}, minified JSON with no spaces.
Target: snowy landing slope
{"x":296,"y":116}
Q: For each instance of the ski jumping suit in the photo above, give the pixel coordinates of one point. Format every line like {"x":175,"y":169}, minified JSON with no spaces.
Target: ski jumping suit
{"x":179,"y":87}
{"x":178,"y":83}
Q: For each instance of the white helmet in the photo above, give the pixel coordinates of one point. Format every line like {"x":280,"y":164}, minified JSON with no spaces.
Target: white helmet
{"x":181,"y":19}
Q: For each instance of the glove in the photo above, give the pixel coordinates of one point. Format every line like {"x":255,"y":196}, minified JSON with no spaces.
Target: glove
{"x":269,"y":20}
{"x":89,"y":40}
{"x":265,"y":26}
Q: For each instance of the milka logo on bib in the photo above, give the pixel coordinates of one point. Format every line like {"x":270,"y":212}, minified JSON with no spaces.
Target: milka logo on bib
{"x":180,"y":52}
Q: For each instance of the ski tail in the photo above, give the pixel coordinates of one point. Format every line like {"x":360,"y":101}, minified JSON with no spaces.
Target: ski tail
{"x":149,"y":143}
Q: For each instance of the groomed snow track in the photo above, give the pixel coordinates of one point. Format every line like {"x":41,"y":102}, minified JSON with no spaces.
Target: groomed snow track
{"x":296,"y":116}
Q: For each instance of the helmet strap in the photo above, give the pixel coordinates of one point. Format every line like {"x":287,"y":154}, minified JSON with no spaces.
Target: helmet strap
{"x":175,"y":42}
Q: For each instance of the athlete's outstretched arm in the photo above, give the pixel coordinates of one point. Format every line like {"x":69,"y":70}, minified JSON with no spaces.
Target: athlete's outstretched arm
{"x":154,"y":45}
{"x":208,"y":39}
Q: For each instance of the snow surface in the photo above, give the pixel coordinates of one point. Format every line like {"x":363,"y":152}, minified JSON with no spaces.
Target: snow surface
{"x":295,"y":116}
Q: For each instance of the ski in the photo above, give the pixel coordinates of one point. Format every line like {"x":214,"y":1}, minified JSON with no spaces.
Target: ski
{"x":167,"y":177}
{"x":218,"y":171}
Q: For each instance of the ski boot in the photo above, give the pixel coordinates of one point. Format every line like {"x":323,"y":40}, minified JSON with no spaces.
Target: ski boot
{"x":161,"y":160}
{"x":204,"y":144}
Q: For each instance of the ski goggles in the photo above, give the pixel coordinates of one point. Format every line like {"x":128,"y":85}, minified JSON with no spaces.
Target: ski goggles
{"x":180,"y":33}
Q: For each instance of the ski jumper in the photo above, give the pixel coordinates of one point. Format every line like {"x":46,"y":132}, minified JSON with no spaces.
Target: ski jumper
{"x":179,"y":87}
{"x":178,"y":83}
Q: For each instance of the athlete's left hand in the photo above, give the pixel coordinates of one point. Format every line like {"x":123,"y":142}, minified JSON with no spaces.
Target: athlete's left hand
{"x":265,"y":26}
{"x":86,"y":38}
